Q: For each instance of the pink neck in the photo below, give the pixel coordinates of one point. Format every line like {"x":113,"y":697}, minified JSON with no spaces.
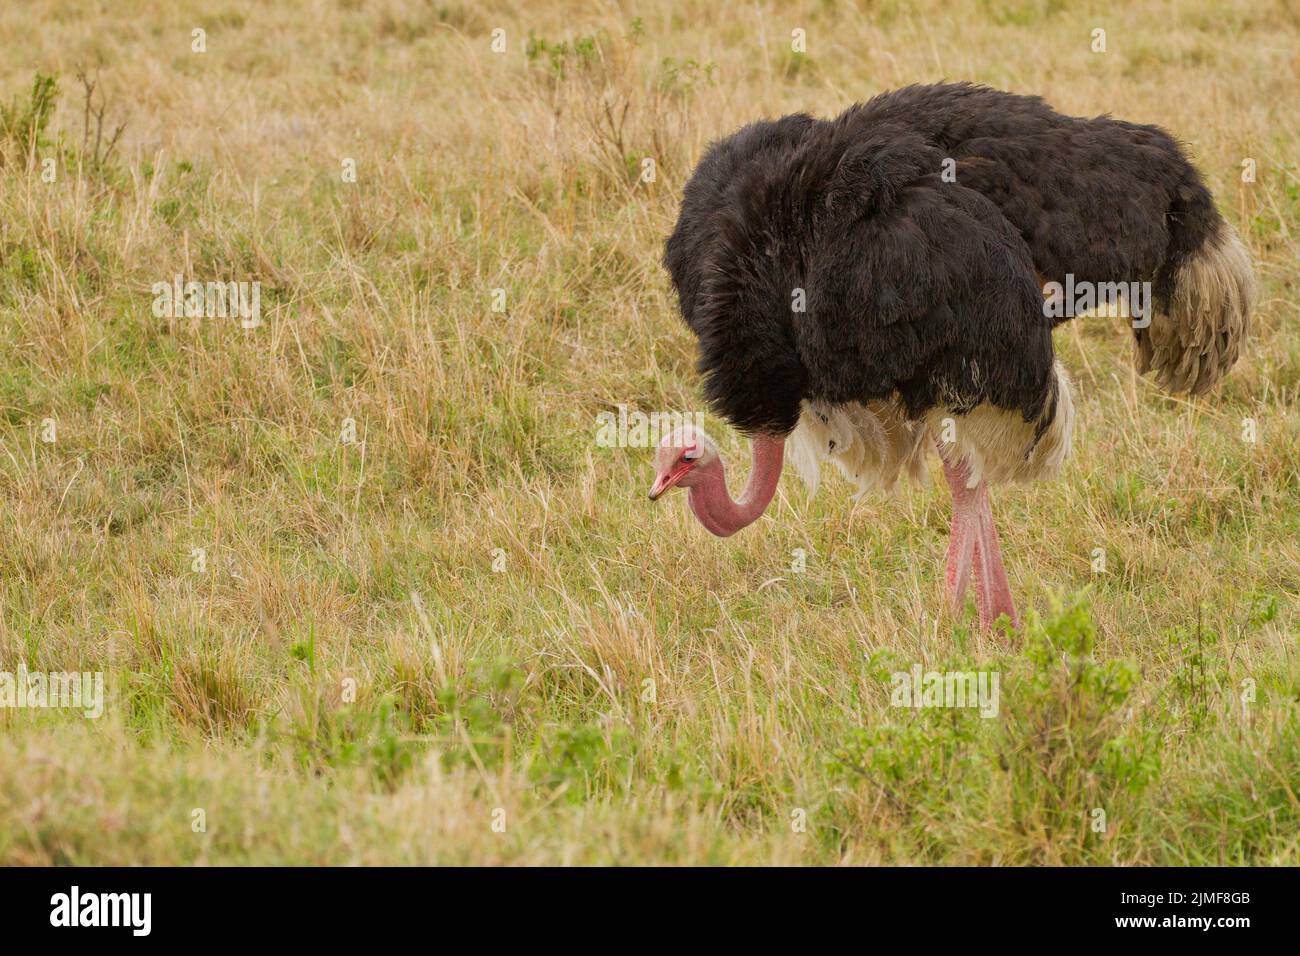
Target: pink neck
{"x":712,"y":503}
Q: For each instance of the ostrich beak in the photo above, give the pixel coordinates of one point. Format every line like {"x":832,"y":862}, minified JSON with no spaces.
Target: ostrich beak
{"x":666,"y":479}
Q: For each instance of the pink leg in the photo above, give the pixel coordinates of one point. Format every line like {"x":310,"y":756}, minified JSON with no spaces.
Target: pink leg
{"x":974,"y":547}
{"x":961,"y":551}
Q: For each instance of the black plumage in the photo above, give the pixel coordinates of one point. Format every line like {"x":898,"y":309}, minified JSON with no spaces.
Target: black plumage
{"x":928,"y":289}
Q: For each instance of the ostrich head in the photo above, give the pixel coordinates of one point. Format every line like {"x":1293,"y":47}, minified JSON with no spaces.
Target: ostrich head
{"x":686,"y":457}
{"x":689,"y":458}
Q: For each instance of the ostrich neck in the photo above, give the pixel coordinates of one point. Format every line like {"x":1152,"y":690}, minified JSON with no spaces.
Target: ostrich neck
{"x":712,"y":503}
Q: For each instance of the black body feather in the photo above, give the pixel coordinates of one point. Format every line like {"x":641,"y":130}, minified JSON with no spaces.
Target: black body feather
{"x":912,"y":285}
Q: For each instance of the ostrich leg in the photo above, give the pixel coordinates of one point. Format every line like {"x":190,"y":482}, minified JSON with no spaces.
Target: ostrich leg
{"x":973,"y":546}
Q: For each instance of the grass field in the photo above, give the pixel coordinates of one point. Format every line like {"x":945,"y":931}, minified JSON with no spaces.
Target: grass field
{"x":365,"y":588}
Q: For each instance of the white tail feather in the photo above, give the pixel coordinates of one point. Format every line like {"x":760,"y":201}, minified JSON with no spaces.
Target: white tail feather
{"x":1192,"y":347}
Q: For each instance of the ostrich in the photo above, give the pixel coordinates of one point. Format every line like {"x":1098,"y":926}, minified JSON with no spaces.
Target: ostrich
{"x":868,"y":287}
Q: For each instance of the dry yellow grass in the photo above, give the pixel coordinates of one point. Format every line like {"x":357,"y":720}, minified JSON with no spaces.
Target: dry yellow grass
{"x":517,"y":694}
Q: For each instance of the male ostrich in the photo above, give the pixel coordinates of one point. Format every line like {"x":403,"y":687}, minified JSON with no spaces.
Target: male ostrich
{"x":868,"y":286}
